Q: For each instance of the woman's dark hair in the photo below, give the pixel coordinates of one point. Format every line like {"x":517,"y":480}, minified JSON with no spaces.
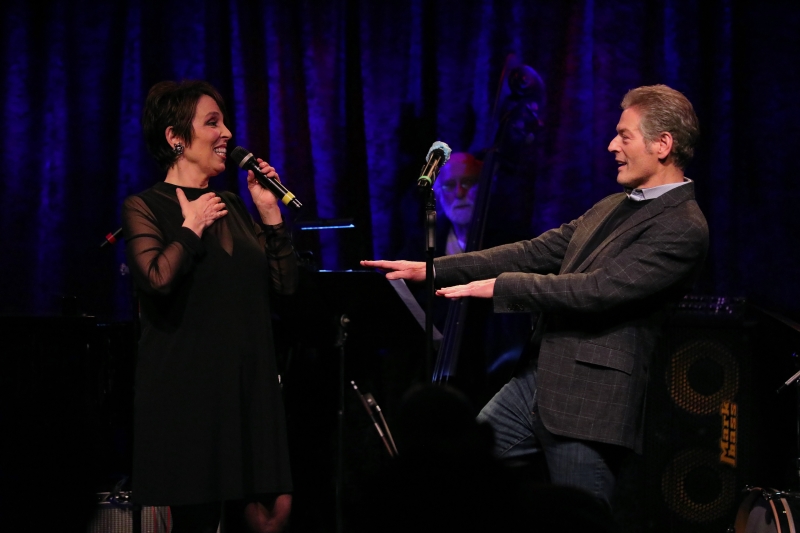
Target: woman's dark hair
{"x":173,"y":104}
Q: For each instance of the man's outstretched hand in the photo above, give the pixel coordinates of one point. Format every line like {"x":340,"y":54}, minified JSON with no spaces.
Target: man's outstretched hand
{"x":410,"y":270}
{"x":477,"y":289}
{"x":415,"y":271}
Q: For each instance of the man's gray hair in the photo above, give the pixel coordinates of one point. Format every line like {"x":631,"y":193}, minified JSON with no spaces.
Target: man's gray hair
{"x":664,"y":109}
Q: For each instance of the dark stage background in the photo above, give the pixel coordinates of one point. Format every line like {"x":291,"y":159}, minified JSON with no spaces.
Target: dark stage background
{"x":345,"y":97}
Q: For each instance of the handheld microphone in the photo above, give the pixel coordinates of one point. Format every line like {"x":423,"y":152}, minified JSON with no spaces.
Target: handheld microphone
{"x":247,"y":161}
{"x":436,"y":158}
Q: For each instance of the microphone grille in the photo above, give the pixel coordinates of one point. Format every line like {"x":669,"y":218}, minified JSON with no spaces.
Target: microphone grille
{"x":442,"y":147}
{"x":240,"y":155}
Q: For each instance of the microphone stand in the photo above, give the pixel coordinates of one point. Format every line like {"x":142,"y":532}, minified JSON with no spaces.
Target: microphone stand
{"x":430,"y":249}
{"x":111,"y":239}
{"x":437,"y":157}
{"x":341,"y":337}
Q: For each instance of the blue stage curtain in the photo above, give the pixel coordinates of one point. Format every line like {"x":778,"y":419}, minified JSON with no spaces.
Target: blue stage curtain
{"x":345,"y":97}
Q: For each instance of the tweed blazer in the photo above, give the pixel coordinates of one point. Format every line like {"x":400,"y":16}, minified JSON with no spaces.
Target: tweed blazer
{"x":601,"y":319}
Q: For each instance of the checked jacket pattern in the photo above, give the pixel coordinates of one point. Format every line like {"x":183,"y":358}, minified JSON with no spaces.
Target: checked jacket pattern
{"x":600,"y":320}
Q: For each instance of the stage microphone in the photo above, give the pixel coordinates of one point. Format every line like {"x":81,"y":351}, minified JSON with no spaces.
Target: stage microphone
{"x":247,"y":161}
{"x":372,"y":417}
{"x":372,"y":403}
{"x":436,"y":158}
{"x":111,"y":238}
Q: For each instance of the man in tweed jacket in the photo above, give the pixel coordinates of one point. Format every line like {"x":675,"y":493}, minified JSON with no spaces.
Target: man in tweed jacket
{"x":602,"y":284}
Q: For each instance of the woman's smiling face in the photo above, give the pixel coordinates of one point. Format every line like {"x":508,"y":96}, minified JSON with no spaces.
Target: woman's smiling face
{"x":209,"y":145}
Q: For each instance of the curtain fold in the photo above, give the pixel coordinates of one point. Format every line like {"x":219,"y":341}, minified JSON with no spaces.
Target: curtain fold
{"x":345,"y":97}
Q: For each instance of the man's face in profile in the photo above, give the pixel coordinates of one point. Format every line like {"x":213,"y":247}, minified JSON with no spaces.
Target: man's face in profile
{"x":638,"y":164}
{"x":456,"y":187}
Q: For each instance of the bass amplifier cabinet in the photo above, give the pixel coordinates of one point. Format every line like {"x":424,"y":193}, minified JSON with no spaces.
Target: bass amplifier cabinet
{"x":713,"y":421}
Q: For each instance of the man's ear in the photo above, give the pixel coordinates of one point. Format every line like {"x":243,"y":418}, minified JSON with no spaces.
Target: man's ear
{"x":663,"y":145}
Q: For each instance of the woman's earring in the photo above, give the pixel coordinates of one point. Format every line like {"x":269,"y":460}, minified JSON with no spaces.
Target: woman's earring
{"x":178,"y":149}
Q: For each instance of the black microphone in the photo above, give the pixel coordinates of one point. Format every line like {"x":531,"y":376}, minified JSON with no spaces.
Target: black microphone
{"x":372,"y":403}
{"x":436,"y":158}
{"x":247,"y":161}
{"x":366,"y":405}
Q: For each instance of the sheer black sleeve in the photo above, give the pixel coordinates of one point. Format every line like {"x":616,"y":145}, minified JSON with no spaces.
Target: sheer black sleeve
{"x":156,"y":262}
{"x":277,"y":243}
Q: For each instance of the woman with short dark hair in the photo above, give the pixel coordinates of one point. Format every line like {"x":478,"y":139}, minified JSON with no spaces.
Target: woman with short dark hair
{"x":209,"y":425}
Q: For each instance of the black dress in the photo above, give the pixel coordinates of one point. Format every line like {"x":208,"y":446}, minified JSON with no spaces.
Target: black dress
{"x":209,"y":421}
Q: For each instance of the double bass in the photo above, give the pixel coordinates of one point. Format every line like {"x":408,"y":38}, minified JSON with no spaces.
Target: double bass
{"x":479,"y":349}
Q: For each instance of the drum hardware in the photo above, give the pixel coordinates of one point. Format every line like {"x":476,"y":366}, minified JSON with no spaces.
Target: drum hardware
{"x":794,"y":381}
{"x":789,"y":381}
{"x":771,"y":510}
{"x":780,"y":318}
{"x":768,"y":511}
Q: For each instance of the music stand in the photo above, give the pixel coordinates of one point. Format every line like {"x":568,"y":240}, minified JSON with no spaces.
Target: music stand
{"x":382,"y":312}
{"x":382,"y":346}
